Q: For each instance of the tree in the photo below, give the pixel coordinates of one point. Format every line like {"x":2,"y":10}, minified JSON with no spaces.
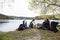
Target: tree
{"x":45,"y":6}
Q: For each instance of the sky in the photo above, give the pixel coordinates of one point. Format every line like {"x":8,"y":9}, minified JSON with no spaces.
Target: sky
{"x":18,"y":8}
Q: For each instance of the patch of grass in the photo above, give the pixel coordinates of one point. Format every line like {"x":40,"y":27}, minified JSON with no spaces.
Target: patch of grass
{"x":19,"y":35}
{"x":16,"y":35}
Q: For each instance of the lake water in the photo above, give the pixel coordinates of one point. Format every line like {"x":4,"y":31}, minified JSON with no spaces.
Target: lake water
{"x":12,"y":25}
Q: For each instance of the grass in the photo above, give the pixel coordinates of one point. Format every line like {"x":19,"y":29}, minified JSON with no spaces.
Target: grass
{"x":30,"y":34}
{"x":18,"y":35}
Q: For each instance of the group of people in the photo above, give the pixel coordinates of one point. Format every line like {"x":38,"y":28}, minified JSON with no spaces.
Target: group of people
{"x":46,"y":25}
{"x":24,"y":25}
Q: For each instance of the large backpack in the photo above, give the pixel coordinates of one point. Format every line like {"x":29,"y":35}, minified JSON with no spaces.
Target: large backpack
{"x":53,"y":26}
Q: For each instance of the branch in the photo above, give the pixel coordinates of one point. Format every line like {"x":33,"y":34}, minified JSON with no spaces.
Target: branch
{"x":53,"y":4}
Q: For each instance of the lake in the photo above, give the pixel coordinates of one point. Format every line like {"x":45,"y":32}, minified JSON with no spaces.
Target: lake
{"x":12,"y":25}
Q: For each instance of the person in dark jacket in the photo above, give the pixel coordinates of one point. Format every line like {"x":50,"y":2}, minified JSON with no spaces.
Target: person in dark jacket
{"x":23,"y":26}
{"x":46,"y":24}
{"x":24,"y":23}
{"x":32,"y":23}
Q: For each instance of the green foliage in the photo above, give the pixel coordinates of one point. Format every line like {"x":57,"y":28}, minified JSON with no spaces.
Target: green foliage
{"x":57,"y":16}
{"x":45,"y":5}
{"x":4,"y":17}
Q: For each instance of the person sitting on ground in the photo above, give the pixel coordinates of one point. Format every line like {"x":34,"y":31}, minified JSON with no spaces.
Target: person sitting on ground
{"x":32,"y":24}
{"x":45,"y":25}
{"x":23,"y":25}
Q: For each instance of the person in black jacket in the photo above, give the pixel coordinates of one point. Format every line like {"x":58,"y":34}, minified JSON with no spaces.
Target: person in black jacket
{"x":46,"y":24}
{"x":24,"y":23}
{"x":23,"y":26}
{"x":32,"y":23}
